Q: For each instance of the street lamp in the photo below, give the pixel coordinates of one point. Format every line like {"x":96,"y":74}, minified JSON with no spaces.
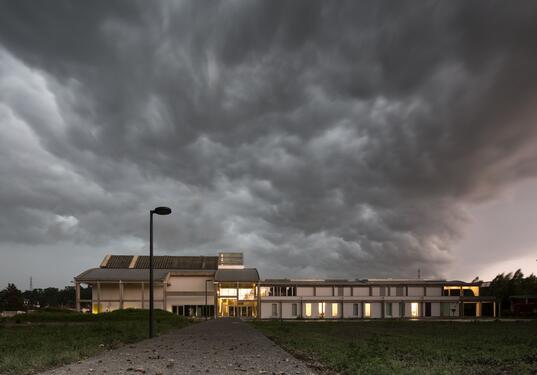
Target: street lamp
{"x":206,"y":281}
{"x":158,"y":211}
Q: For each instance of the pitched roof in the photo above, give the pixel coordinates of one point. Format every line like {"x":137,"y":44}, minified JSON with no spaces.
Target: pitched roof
{"x":161,"y":262}
{"x":233,"y":275}
{"x":116,"y":274}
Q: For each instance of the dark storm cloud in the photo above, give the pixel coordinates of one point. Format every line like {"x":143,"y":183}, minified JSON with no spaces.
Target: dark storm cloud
{"x":318,"y":138}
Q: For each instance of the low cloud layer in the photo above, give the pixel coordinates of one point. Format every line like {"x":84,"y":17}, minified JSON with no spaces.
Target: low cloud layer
{"x":321,"y":139}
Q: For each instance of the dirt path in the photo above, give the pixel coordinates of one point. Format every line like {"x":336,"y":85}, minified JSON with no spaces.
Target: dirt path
{"x":214,"y":347}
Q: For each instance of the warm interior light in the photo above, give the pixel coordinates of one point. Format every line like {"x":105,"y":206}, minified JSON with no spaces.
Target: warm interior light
{"x":308,"y":309}
{"x":414,"y":309}
{"x":335,"y":310}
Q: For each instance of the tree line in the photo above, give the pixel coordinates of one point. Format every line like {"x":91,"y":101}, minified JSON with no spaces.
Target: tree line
{"x":512,"y":284}
{"x":11,"y":298}
{"x":502,"y":287}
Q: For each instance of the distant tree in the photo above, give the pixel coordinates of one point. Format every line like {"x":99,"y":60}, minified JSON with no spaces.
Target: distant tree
{"x":54,"y":297}
{"x":503,"y":286}
{"x":11,"y":298}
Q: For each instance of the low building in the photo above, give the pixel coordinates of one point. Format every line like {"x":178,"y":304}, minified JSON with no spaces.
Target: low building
{"x":221,"y":286}
{"x":523,"y":304}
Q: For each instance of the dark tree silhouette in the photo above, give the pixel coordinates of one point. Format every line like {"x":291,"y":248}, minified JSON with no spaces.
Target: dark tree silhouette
{"x":11,"y":298}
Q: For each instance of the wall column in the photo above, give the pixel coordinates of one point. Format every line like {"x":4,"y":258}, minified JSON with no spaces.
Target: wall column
{"x":98,"y":297}
{"x":120,"y":295}
{"x":216,"y":286}
{"x":77,"y":295}
{"x":143,"y":296}
{"x":164,"y":296}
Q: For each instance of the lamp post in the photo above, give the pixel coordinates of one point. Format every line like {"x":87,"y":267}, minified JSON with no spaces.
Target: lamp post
{"x":206,"y":281}
{"x":158,"y":211}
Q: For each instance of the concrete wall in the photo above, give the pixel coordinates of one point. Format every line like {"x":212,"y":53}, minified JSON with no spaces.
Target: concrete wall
{"x":361,"y":291}
{"x":323,"y":291}
{"x":302,"y":291}
{"x":415,"y":291}
{"x":190,"y":283}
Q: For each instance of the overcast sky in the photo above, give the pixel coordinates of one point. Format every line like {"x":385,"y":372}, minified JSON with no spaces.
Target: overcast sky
{"x":325,"y":139}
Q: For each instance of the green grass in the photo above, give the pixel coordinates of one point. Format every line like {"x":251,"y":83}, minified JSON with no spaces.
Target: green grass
{"x":51,"y":338}
{"x":408,"y":347}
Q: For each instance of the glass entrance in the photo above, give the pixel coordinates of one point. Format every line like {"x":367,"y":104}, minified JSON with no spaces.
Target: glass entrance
{"x":237,"y":300}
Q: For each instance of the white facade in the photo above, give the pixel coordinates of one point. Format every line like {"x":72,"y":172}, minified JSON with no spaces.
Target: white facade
{"x":227,"y":289}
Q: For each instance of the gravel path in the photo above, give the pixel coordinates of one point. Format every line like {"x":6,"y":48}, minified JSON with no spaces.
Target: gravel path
{"x":222,"y":346}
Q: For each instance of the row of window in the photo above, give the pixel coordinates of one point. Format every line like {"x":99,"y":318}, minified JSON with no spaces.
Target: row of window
{"x":400,"y":291}
{"x":366,"y":313}
{"x":193,"y":310}
{"x":279,"y":291}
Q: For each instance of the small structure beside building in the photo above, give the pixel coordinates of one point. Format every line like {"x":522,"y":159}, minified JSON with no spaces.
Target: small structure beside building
{"x":524,"y":304}
{"x":221,"y":286}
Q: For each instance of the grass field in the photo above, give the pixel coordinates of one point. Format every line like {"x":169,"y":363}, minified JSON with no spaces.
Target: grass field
{"x":47,"y":339}
{"x":410,"y":347}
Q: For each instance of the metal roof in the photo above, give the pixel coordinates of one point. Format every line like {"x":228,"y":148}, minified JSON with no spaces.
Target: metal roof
{"x":162,"y":262}
{"x":116,"y":274}
{"x":232,"y":275}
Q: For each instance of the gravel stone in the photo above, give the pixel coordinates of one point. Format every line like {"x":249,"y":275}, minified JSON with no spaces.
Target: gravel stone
{"x":222,"y":346}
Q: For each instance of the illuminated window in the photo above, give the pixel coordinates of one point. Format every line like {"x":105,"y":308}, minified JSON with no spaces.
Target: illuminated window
{"x":322,"y":309}
{"x":335,"y":310}
{"x":308,"y":309}
{"x":414,"y":309}
{"x":367,"y":310}
{"x":264,"y":291}
{"x":246,"y":294}
{"x":228,"y":292}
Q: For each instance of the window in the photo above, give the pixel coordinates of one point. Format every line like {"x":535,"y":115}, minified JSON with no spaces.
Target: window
{"x":382,"y":291}
{"x":401,"y":309}
{"x":282,"y":291}
{"x":322,"y":307}
{"x":427,"y":308}
{"x":445,"y":309}
{"x":388,"y":310}
{"x":335,"y":309}
{"x":274,"y":309}
{"x":193,"y":310}
{"x":294,"y":309}
{"x":246,"y":294}
{"x":227,"y":292}
{"x":399,"y":291}
{"x":340,"y":291}
{"x":367,"y":310}
{"x":355,"y":307}
{"x":414,"y":309}
{"x":308,"y":309}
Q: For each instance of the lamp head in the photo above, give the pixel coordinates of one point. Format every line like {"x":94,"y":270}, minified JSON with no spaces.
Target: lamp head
{"x":162,"y":210}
